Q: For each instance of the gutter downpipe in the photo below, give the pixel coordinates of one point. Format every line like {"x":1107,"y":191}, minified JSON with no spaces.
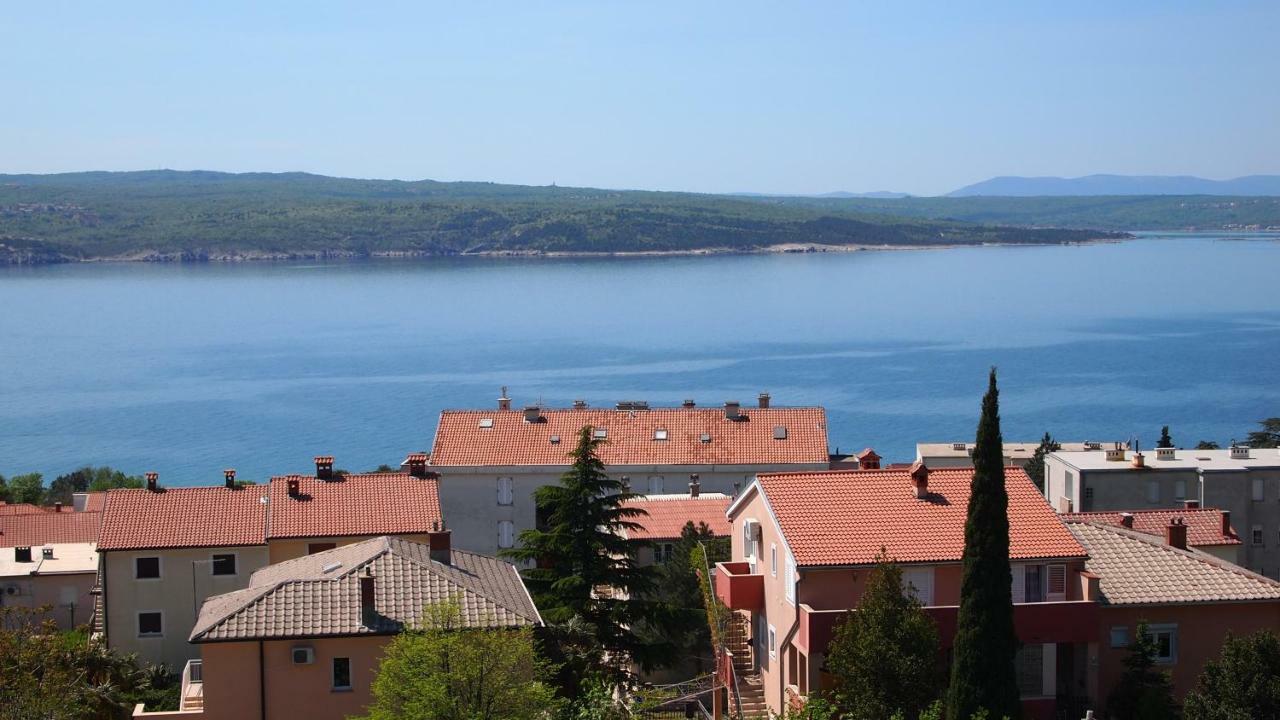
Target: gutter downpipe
{"x":262,"y":684}
{"x":786,"y":642}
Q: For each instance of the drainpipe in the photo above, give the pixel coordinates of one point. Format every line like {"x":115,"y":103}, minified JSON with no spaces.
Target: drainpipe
{"x":786,"y":642}
{"x":262,"y":685}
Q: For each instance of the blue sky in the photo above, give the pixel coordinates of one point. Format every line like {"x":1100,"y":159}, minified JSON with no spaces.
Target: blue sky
{"x":714,"y":97}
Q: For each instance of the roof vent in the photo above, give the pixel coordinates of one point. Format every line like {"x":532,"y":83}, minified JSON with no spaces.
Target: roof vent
{"x":1139,"y":460}
{"x":959,"y":446}
{"x":600,"y":433}
{"x":22,"y":554}
{"x":486,"y":423}
{"x":1091,"y":445}
{"x":324,"y":467}
{"x":632,"y":405}
{"x":1115,"y":454}
{"x":1239,"y":452}
{"x":1164,"y":454}
{"x":330,"y":567}
{"x":153,"y":481}
{"x":779,"y":432}
{"x":532,"y":414}
{"x":46,"y":553}
{"x":579,"y":404}
{"x":660,"y":434}
{"x":732,"y":410}
{"x":555,"y":439}
{"x":705,"y":437}
{"x":688,"y":403}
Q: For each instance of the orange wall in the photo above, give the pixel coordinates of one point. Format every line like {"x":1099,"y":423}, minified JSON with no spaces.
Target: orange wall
{"x":1201,"y":631}
{"x":231,"y":690}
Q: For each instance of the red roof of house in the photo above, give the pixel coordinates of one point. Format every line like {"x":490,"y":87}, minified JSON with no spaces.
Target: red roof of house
{"x":669,"y":513}
{"x":95,"y":501}
{"x":845,"y":517}
{"x":369,"y":504}
{"x":215,"y":516}
{"x":48,"y":528}
{"x":1204,"y":525}
{"x":463,"y":440}
{"x":21,"y":509}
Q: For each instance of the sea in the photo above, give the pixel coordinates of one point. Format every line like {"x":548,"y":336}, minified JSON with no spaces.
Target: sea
{"x":187,"y":369}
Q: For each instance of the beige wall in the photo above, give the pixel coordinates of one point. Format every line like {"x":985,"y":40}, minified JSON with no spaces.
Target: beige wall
{"x":68,"y":594}
{"x":231,"y":679}
{"x":185,"y":581}
{"x":281,"y":550}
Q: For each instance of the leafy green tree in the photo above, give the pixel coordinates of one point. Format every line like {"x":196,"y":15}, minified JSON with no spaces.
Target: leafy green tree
{"x":1165,"y":441}
{"x":27,"y":488}
{"x":1241,"y":684}
{"x":4,"y":489}
{"x":1208,"y":445}
{"x":982,"y":671}
{"x":88,"y":478}
{"x":684,"y":624}
{"x":446,"y":671}
{"x":1266,"y":437}
{"x":1035,"y":466}
{"x":884,"y":657}
{"x":596,"y":702}
{"x":585,"y":566}
{"x":1143,"y":692}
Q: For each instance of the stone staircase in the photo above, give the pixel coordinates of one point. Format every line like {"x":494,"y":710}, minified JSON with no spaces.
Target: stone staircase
{"x":738,"y":642}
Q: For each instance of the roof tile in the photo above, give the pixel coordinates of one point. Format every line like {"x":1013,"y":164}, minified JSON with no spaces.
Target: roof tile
{"x":45,"y":528}
{"x":1204,"y":525}
{"x":368,"y":504}
{"x":214,"y":516}
{"x":667,"y":515}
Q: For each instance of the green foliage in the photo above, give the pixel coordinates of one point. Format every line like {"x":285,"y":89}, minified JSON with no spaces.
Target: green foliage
{"x":449,"y":672}
{"x":1143,"y":692}
{"x":982,"y":671}
{"x":27,"y":488}
{"x":1243,"y":683}
{"x":1165,"y":441}
{"x":596,"y":702}
{"x":1208,"y":445}
{"x":937,"y":711}
{"x":1267,"y":436}
{"x":683,"y":626}
{"x":86,"y":479}
{"x":1035,"y":466}
{"x":585,"y":567}
{"x":884,"y":656}
{"x":816,"y":708}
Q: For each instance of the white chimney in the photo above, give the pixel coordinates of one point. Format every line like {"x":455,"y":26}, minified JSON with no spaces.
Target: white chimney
{"x":504,"y":402}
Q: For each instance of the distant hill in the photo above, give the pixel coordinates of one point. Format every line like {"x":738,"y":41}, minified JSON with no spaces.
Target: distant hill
{"x":1092,"y":185}
{"x":875,"y":194}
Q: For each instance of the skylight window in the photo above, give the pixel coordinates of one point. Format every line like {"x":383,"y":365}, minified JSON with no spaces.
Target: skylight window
{"x":555,"y":439}
{"x":486,"y":422}
{"x":779,"y":432}
{"x":660,"y":434}
{"x":706,"y":437}
{"x":601,"y":433}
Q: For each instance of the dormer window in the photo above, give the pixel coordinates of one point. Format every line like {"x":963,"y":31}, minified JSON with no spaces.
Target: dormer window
{"x":660,"y":434}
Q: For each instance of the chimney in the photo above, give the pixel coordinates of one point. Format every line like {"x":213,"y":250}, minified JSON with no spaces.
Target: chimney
{"x":1191,"y":504}
{"x":368,"y":610}
{"x":732,"y":409}
{"x":920,"y":479}
{"x":440,"y":541}
{"x":695,"y":487}
{"x":579,"y":404}
{"x":1115,"y":453}
{"x":1126,"y":519}
{"x":1226,"y":523}
{"x":504,"y":402}
{"x":153,"y":481}
{"x":764,"y":400}
{"x":57,"y":507}
{"x":293,"y":484}
{"x":229,"y":476}
{"x":324,"y":467}
{"x":868,"y":460}
{"x":1175,"y":534}
{"x":688,"y":403}
{"x":1139,"y":461}
{"x":532,"y":414}
{"x":626,"y":483}
{"x":736,"y":486}
{"x":417,"y":463}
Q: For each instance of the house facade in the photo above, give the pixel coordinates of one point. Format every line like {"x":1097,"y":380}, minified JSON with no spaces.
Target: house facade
{"x":491,"y":462}
{"x":804,"y":543}
{"x":50,"y":559}
{"x":1241,"y":481}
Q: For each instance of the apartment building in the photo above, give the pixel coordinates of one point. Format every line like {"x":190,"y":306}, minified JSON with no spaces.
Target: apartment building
{"x":49,"y":559}
{"x":804,"y":543}
{"x":1241,"y":481}
{"x":305,"y":636}
{"x":960,"y":454}
{"x":491,"y":462}
{"x":1208,"y":529}
{"x":165,"y":550}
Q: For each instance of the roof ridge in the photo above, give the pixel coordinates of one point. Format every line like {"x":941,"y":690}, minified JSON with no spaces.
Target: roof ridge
{"x":1197,"y":555}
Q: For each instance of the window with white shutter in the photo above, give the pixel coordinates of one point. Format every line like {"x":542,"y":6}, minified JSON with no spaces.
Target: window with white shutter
{"x":506,"y":493}
{"x":506,"y":534}
{"x":1019,"y":584}
{"x":655,"y":484}
{"x":790,"y":580}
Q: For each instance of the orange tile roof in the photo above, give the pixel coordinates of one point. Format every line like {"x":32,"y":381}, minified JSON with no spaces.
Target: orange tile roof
{"x":461,"y":441}
{"x":46,"y":528}
{"x":1204,"y":525}
{"x":215,"y":516}
{"x":844,"y":517}
{"x":21,"y":509}
{"x":368,"y":504}
{"x":95,"y":501}
{"x":669,"y":513}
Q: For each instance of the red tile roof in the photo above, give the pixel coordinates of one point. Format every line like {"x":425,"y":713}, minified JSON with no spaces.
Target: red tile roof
{"x":1204,"y":525}
{"x":95,"y":501}
{"x":369,"y":504}
{"x":461,"y":441}
{"x":845,"y":517}
{"x":183,"y":517}
{"x":21,"y":509}
{"x":669,"y":513}
{"x":47,"y":528}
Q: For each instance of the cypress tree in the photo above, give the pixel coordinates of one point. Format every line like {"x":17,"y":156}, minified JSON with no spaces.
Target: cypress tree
{"x":982,"y":672}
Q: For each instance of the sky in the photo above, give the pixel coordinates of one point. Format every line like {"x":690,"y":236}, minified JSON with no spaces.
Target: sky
{"x":699,"y":96}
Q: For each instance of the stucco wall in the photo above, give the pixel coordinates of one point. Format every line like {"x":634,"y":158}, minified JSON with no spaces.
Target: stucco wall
{"x":72,"y":605}
{"x":281,"y":550}
{"x":185,"y":581}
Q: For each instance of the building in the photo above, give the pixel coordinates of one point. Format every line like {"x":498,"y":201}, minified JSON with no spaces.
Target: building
{"x":491,"y":461}
{"x":1208,"y":529}
{"x":1189,"y":599}
{"x":50,"y":559}
{"x":164,"y":550}
{"x":1244,"y":482}
{"x":666,"y":516}
{"x":959,"y":454}
{"x":803,"y":544}
{"x":304,"y":638}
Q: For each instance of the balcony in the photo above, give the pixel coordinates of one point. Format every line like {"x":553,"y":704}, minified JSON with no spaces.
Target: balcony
{"x":1042,"y":622}
{"x":737,"y":587}
{"x":817,"y":627}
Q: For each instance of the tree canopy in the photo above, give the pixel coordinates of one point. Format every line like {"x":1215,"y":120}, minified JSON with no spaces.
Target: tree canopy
{"x":1267,"y":435}
{"x":1143,"y":693}
{"x":1035,"y":466}
{"x":1242,"y":683}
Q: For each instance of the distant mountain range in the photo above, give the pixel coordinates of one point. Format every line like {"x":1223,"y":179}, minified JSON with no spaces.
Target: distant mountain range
{"x":875,"y":194}
{"x":1013,"y":186}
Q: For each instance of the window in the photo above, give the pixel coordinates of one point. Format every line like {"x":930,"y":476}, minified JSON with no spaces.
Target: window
{"x":223,"y":564}
{"x":506,"y":534}
{"x":1069,"y":485}
{"x":918,"y":583}
{"x":779,"y":432}
{"x":486,"y":423}
{"x":1179,"y":490}
{"x":600,"y":433}
{"x":660,"y":434}
{"x":1258,"y":491}
{"x":773,"y":560}
{"x":1120,"y":636}
{"x":150,"y":624}
{"x":1166,"y":637}
{"x":146,"y":568}
{"x":663,"y":552}
{"x":655,"y":484}
{"x":1056,"y":583}
{"x":1033,"y":583}
{"x":313,"y":548}
{"x":1153,"y":491}
{"x":1257,"y":536}
{"x":790,"y":580}
{"x":341,"y":673}
{"x":506,"y":494}
{"x":1029,"y":664}
{"x":773,"y":642}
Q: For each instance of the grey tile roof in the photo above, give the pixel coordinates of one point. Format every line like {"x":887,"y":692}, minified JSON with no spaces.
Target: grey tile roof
{"x":1139,"y":569}
{"x":298,"y":598}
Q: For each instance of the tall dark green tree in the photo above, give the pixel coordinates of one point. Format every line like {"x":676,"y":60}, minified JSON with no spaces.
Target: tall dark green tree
{"x":1268,"y":436}
{"x":681,"y":620}
{"x":1243,"y":682}
{"x":585,"y":567}
{"x":1165,"y":441}
{"x":1143,"y":693}
{"x":1035,"y":466}
{"x":982,"y":672}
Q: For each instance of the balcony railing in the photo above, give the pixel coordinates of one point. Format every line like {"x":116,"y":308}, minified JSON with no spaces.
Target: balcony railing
{"x":739,"y":588}
{"x":1040,"y":622}
{"x":817,"y":628}
{"x":193,"y":686}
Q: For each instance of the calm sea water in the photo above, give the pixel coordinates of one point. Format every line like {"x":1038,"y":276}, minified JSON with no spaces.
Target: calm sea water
{"x":190,"y":369}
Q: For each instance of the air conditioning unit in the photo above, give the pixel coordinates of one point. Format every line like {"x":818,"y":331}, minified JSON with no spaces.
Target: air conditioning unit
{"x":12,"y":589}
{"x":303,"y":656}
{"x":751,"y":528}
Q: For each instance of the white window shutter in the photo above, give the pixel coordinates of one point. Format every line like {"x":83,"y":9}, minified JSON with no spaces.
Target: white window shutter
{"x":1019,"y":584}
{"x":790,"y":580}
